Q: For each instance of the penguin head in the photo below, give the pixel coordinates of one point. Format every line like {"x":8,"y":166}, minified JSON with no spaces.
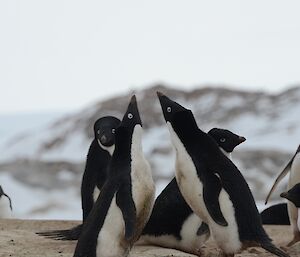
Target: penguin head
{"x":226,"y":139}
{"x":132,"y":117}
{"x":104,"y":130}
{"x":293,"y":195}
{"x":2,"y":194}
{"x":170,"y":108}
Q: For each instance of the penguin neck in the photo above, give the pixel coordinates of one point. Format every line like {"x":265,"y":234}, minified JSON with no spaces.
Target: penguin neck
{"x":184,"y":125}
{"x":136,"y":142}
{"x":109,"y":149}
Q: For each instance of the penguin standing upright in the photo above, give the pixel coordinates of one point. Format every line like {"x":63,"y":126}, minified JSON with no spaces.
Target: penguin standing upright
{"x":95,"y":173}
{"x":5,"y":205}
{"x":126,"y":199}
{"x":172,"y":223}
{"x":294,"y":167}
{"x":213,"y":186}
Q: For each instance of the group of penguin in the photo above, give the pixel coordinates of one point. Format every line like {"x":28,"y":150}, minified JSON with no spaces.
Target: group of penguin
{"x":207,"y":196}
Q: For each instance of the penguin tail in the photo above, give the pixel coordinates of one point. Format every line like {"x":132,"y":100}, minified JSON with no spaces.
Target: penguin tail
{"x":273,"y":249}
{"x":67,"y":234}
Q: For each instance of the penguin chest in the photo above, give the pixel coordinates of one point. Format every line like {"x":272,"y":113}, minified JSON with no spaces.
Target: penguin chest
{"x":111,"y":241}
{"x":143,"y":190}
{"x":189,"y":183}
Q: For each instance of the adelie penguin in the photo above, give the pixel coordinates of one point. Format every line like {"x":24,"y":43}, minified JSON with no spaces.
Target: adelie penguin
{"x":293,"y":196}
{"x":95,"y":173}
{"x":213,"y":186}
{"x":126,"y":199}
{"x":293,"y":167}
{"x":172,"y":223}
{"x":5,"y":205}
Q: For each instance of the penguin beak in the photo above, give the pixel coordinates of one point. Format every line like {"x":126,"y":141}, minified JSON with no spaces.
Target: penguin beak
{"x":132,"y":116}
{"x":169,"y":107}
{"x":242,"y":139}
{"x":285,"y":195}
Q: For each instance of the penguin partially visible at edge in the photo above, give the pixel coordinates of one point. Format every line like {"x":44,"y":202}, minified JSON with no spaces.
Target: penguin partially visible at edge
{"x":126,"y":199}
{"x":95,"y":173}
{"x":293,"y":195}
{"x":172,"y":223}
{"x":294,"y":167}
{"x":5,"y":205}
{"x":276,"y":214}
{"x":213,"y":186}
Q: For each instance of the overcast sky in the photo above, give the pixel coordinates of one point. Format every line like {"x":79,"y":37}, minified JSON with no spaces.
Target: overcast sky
{"x":66,"y":54}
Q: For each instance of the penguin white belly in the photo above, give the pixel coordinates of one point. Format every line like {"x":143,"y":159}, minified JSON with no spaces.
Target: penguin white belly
{"x":143,"y":193}
{"x":111,"y":236}
{"x":190,"y":239}
{"x":5,"y":211}
{"x":293,"y":180}
{"x":191,"y":188}
{"x":189,"y":242}
{"x":143,"y":187}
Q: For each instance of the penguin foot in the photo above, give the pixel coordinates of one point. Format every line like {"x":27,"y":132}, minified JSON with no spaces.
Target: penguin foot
{"x":294,"y":241}
{"x":222,"y":254}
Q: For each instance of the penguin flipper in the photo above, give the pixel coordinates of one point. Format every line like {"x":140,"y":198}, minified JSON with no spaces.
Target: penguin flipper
{"x":125,"y":202}
{"x":203,"y":229}
{"x":211,"y":191}
{"x":279,"y":178}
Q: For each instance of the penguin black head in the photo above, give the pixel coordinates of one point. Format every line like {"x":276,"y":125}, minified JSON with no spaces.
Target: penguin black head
{"x":293,"y":195}
{"x":169,"y":107}
{"x":104,"y":130}
{"x":226,"y":139}
{"x":132,"y":117}
{"x":3,"y":194}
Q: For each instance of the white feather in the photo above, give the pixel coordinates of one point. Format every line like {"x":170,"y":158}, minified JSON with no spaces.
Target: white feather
{"x":109,"y":149}
{"x":112,"y":233}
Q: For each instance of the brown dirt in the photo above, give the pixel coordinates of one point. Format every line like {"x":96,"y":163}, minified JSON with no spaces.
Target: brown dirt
{"x":18,"y":239}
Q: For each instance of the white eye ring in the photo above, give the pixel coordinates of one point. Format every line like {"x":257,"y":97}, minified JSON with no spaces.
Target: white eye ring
{"x":130,"y":115}
{"x":223,"y":140}
{"x":98,"y":131}
{"x":113,"y":131}
{"x":169,"y":109}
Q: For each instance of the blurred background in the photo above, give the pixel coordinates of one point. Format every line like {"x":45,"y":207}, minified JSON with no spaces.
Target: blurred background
{"x":64,"y":64}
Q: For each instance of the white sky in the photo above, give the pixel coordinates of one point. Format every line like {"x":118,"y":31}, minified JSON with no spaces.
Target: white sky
{"x":64,"y":54}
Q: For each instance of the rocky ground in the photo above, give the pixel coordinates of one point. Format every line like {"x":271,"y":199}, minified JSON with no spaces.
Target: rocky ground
{"x":18,"y":239}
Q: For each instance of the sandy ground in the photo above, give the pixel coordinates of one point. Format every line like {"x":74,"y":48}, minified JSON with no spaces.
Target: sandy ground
{"x":18,"y":239}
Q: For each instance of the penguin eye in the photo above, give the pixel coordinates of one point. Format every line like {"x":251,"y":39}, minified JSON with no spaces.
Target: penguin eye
{"x":98,"y":131}
{"x":113,"y":131}
{"x":169,"y":109}
{"x":130,"y":116}
{"x":222,"y":139}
